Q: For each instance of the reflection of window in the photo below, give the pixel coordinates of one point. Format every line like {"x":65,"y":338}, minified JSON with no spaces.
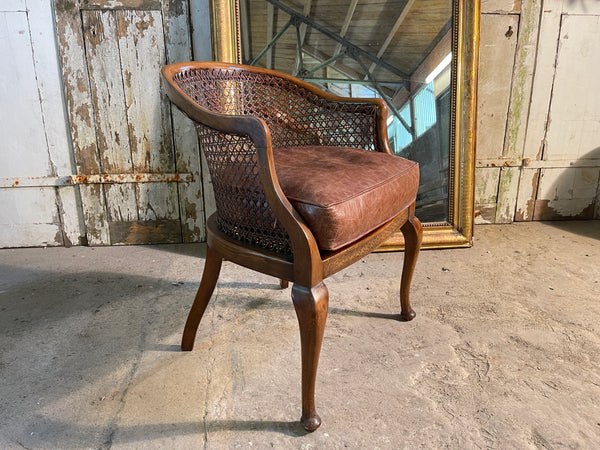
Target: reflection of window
{"x":400,"y":136}
{"x":424,"y":106}
{"x":420,"y":108}
{"x":403,"y":132}
{"x":352,"y":90}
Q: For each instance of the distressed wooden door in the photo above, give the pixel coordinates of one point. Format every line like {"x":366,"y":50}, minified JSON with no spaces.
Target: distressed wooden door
{"x":538,"y":143}
{"x":136,"y":158}
{"x":562,"y":145}
{"x":34,"y":148}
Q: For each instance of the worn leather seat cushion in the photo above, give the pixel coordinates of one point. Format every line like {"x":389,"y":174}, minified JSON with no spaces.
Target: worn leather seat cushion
{"x":345,"y":193}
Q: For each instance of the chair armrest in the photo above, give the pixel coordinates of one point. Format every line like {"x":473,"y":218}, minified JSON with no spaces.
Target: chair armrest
{"x":302,"y":240}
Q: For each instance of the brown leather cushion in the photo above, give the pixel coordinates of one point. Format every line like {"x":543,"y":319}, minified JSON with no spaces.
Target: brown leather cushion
{"x":345,"y":193}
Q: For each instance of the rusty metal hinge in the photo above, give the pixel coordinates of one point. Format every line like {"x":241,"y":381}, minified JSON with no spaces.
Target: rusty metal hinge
{"x":101,"y":178}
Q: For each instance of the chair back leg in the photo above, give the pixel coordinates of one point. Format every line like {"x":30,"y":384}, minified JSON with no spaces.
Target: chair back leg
{"x":212,"y":268}
{"x":311,"y":306}
{"x":412,"y":231}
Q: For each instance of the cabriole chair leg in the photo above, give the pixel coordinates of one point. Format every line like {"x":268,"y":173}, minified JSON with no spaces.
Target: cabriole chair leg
{"x":413,"y":235}
{"x":212,"y":268}
{"x":311,"y":308}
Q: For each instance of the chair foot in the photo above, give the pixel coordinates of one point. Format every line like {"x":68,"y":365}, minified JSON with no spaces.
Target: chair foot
{"x":311,"y":422}
{"x":407,"y":317}
{"x":212,"y":268}
{"x":284,"y":284}
{"x":412,"y":231}
{"x":311,"y":306}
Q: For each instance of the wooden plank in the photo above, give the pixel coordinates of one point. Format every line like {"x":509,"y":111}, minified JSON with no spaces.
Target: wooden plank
{"x":501,"y":6}
{"x":122,"y":4}
{"x":29,"y":234}
{"x":146,"y":232}
{"x":191,"y":203}
{"x":81,"y":114}
{"x":574,"y":126}
{"x":142,"y":54}
{"x":589,"y":7}
{"x":108,"y":99}
{"x":29,"y":217}
{"x":535,"y":138}
{"x":522,"y":80}
{"x":24,"y":148}
{"x":13,"y":6}
{"x":528,"y":186}
{"x":520,"y":94}
{"x":486,"y":194}
{"x":495,"y":72}
{"x":45,"y":53}
{"x":508,"y":188}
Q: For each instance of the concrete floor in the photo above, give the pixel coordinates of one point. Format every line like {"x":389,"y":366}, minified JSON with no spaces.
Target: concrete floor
{"x":504,"y":352}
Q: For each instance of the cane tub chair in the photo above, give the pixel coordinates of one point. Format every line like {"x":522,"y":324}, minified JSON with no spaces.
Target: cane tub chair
{"x":305,"y":184}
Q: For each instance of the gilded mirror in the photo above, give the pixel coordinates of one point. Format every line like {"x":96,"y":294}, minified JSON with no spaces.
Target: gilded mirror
{"x":420,"y":56}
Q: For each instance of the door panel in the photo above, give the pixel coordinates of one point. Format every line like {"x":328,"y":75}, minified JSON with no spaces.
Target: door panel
{"x":122,"y":122}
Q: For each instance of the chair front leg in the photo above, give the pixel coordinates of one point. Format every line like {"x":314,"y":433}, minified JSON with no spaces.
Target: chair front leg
{"x":311,"y":306}
{"x":412,"y":231}
{"x":212,"y":268}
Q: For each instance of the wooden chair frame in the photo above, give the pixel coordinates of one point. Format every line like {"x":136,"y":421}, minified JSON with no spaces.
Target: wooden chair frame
{"x":309,"y":266}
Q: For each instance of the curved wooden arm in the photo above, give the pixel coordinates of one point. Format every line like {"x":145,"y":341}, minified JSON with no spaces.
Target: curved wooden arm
{"x":304,"y":245}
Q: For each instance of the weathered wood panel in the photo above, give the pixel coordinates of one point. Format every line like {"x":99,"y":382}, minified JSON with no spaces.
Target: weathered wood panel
{"x":522,"y":79}
{"x":501,"y":6}
{"x":45,"y":50}
{"x":110,"y":114}
{"x":528,"y":186}
{"x":574,"y":126}
{"x":486,"y":194}
{"x":112,"y":59}
{"x":191,"y":195}
{"x":142,"y":54}
{"x":20,"y":102}
{"x":551,"y":156}
{"x":498,"y":45}
{"x":13,"y":6}
{"x":81,"y":115}
{"x":28,"y":217}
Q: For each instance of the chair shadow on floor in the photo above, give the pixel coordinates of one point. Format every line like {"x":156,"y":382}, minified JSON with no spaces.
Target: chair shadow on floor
{"x":289,"y":428}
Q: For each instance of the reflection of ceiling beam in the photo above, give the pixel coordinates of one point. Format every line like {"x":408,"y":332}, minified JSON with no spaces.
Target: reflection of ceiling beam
{"x":343,"y":81}
{"x":306,"y":12}
{"x":270,"y":29}
{"x":435,"y":56}
{"x":346,"y":23}
{"x":354,"y":51}
{"x":245,"y":26}
{"x":393,"y":31}
{"x":344,"y":70}
{"x":339,"y":67}
{"x":302,"y":31}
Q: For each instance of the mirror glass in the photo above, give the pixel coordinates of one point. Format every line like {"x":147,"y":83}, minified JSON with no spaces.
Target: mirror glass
{"x":398,"y":50}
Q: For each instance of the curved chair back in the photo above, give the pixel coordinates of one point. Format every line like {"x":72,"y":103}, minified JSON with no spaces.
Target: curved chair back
{"x":294,"y":116}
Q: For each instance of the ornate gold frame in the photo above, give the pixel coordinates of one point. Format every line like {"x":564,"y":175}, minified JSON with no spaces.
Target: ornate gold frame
{"x":458,"y":231}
